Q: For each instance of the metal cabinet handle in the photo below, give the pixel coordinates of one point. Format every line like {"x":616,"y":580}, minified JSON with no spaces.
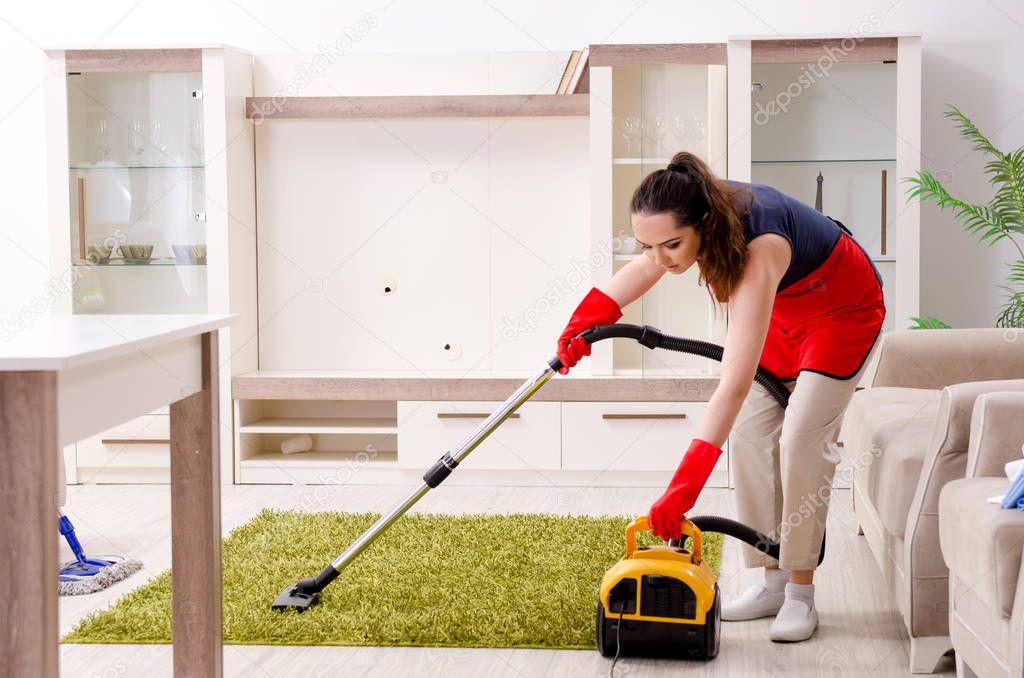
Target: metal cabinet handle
{"x":470,"y":415}
{"x":643,"y":416}
{"x":135,"y":441}
{"x":885,"y":185}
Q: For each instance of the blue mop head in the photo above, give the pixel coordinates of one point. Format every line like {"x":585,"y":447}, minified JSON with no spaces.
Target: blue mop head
{"x":95,"y":574}
{"x":89,"y":575}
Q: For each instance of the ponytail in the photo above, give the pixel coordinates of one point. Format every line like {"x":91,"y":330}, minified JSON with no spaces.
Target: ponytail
{"x":690,"y":191}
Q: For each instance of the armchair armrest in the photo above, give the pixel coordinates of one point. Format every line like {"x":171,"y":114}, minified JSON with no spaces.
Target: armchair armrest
{"x":937,"y":358}
{"x":997,"y":431}
{"x":945,"y":461}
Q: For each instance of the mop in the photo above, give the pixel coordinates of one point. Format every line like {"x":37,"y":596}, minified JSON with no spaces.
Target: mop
{"x":89,"y":575}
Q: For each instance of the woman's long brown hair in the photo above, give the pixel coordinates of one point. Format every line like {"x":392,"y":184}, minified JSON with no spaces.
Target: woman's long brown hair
{"x":697,"y":198}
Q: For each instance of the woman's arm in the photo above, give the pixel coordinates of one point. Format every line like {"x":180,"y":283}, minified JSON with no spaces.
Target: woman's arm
{"x":633,"y":280}
{"x":750,"y":309}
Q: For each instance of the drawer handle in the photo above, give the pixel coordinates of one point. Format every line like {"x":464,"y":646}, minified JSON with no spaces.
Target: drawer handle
{"x":643,"y":416}
{"x":134,"y":441}
{"x":470,"y":415}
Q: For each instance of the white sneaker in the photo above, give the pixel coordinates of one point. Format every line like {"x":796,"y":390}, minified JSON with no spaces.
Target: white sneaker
{"x":760,"y":600}
{"x":797,"y":618}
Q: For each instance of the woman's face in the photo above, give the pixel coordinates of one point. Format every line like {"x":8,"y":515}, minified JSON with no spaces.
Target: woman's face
{"x":673,"y":248}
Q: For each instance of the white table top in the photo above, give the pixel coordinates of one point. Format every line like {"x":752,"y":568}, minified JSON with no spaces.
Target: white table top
{"x":58,"y":342}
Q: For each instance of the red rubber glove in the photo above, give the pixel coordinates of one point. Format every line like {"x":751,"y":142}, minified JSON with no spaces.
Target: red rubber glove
{"x":597,"y":308}
{"x":666,"y":515}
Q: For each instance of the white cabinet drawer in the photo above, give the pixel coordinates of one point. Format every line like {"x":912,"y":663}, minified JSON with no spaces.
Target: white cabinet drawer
{"x":139,"y":443}
{"x":629,"y":436}
{"x":428,"y":429}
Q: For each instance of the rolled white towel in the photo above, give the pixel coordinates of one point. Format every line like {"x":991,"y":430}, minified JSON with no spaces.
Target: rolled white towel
{"x":299,"y":443}
{"x":1012,"y":468}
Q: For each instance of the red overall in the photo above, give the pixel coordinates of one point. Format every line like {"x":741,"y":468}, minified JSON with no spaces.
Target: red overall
{"x":828,"y":320}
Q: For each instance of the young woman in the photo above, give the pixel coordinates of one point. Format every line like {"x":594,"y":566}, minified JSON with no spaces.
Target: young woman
{"x":805,"y":303}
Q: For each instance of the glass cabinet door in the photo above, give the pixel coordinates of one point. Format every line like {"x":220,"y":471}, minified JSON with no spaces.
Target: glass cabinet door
{"x":828,"y":139}
{"x":659,"y":110}
{"x":136,"y":170}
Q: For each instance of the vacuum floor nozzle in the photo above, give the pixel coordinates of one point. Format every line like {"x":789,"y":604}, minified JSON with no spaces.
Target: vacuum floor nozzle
{"x":296,"y":597}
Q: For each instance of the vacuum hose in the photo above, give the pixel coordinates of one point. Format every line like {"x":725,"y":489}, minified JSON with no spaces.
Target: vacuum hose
{"x":653,"y":338}
{"x":758,"y":540}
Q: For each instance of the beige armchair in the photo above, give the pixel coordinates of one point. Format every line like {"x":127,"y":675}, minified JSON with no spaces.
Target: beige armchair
{"x":982,"y":545}
{"x":906,"y":436}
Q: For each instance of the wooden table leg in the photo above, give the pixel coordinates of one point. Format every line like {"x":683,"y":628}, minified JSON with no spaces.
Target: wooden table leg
{"x":28,"y":524}
{"x":195,"y":526}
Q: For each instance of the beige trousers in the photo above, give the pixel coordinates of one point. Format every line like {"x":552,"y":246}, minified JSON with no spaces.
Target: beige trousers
{"x":783,"y":464}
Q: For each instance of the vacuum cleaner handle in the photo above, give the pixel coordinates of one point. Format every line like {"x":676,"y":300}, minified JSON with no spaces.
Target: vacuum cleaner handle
{"x":688,"y":530}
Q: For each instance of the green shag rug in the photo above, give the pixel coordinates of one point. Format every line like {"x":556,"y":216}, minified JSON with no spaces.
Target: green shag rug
{"x":430,"y":580}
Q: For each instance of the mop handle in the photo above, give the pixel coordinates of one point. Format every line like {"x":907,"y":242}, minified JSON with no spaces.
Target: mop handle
{"x":68,"y":532}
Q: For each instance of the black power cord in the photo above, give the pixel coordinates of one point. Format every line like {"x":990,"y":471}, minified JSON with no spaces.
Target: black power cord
{"x":618,"y":645}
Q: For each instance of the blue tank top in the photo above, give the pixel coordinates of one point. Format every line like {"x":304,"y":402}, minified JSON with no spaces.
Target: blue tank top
{"x":811,"y":235}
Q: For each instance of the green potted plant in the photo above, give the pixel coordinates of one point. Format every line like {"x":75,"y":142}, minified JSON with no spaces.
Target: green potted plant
{"x":1002,"y":217}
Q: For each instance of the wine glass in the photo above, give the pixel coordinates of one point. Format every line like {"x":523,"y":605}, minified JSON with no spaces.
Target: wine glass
{"x":658,"y":132}
{"x":698,"y":127}
{"x":197,"y":140}
{"x":159,"y":141}
{"x":103,"y":138}
{"x":678,"y":130}
{"x":631,"y":133}
{"x":137,"y":140}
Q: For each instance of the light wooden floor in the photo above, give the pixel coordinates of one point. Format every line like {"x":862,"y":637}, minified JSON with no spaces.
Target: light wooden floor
{"x":859,"y":634}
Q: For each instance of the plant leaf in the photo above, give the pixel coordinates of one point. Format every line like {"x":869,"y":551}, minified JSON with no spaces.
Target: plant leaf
{"x":928,"y":323}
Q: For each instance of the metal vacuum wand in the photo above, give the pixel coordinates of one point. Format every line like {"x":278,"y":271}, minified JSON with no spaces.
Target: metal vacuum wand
{"x":305,"y":593}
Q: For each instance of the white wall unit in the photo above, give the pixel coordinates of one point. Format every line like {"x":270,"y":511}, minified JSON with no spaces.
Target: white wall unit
{"x":460,"y":244}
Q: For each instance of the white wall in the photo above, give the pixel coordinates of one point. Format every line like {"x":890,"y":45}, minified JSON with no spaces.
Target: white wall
{"x":972,"y":57}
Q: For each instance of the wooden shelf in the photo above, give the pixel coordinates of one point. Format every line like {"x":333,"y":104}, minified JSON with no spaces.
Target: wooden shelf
{"x":641,"y":161}
{"x":271,"y":385}
{"x":323,"y":425}
{"x":440,"y":106}
{"x":822,"y":161}
{"x":659,"y":53}
{"x":320,"y":459}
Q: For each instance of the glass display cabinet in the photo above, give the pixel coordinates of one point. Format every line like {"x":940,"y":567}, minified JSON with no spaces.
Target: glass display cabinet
{"x":835,"y":122}
{"x":647,"y":103}
{"x":152,"y":211}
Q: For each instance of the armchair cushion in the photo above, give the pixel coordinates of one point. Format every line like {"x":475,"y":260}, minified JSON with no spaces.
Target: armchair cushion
{"x":886,"y":431}
{"x":981,"y":542}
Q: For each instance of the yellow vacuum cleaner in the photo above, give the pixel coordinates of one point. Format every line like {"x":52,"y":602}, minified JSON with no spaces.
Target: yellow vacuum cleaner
{"x":659,"y":601}
{"x":663,"y":601}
